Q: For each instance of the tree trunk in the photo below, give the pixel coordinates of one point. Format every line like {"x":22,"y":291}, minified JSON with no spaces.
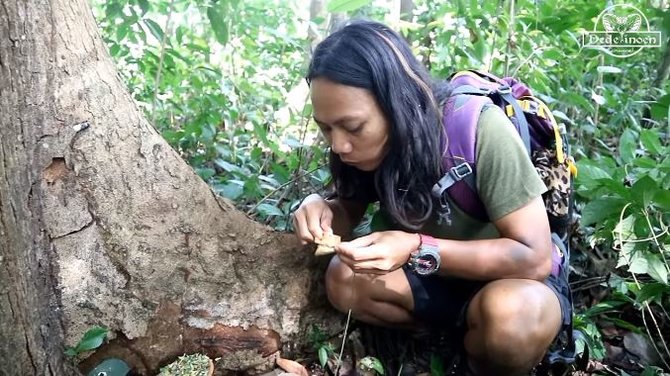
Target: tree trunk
{"x":101,"y":222}
{"x":406,"y":10}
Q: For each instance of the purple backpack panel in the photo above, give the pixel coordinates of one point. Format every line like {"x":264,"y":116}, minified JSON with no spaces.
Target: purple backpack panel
{"x":472,"y":90}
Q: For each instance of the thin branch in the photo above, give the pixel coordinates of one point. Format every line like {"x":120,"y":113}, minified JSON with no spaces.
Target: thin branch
{"x":344,"y":338}
{"x":510,"y":36}
{"x":664,"y":68}
{"x":250,"y":211}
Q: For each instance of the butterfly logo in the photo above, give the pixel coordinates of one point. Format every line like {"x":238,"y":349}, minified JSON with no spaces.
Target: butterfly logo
{"x":630,"y":23}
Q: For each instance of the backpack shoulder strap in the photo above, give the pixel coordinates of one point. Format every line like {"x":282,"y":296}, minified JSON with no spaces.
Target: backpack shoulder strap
{"x":459,"y":120}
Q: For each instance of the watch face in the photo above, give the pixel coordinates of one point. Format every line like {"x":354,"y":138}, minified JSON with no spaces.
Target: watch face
{"x":426,"y":264}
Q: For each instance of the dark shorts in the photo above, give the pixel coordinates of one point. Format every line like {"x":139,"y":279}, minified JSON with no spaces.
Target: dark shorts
{"x":440,"y":301}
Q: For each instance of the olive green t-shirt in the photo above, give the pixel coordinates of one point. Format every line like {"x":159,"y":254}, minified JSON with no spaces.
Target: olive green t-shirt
{"x":505,"y":177}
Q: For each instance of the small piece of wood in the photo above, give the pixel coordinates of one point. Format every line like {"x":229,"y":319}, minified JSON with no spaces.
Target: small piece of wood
{"x":326,"y":245}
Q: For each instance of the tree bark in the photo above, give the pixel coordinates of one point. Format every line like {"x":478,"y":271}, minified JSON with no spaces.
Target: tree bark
{"x":664,"y":67}
{"x":102,"y":223}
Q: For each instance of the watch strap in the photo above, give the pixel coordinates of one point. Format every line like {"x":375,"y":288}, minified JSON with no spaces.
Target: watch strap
{"x":427,"y":240}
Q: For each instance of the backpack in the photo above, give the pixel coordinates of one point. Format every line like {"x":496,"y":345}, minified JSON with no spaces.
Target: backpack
{"x":543,"y":137}
{"x":546,"y":143}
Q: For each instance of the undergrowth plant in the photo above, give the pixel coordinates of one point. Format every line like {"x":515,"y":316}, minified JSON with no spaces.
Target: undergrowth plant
{"x":628,"y":210}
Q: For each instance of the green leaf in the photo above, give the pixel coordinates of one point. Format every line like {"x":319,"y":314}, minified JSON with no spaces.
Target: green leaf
{"x":644,"y":190}
{"x":625,"y":229}
{"x":651,"y":140}
{"x":588,"y":171}
{"x":269,"y":210}
{"x":652,"y":371}
{"x":656,"y":268}
{"x":659,"y":112}
{"x":92,"y":339}
{"x":627,"y":146}
{"x":219,"y":24}
{"x":372,"y":363}
{"x":340,"y":6}
{"x":377,"y":366}
{"x":113,"y":10}
{"x":638,"y":264}
{"x":652,"y":292}
{"x":205,"y":173}
{"x":155,"y":29}
{"x":114,"y":49}
{"x":602,"y":307}
{"x":662,"y":199}
{"x":232,"y":190}
{"x":661,"y":109}
{"x":645,"y":162}
{"x":323,"y":356}
{"x":144,"y":5}
{"x":623,"y":324}
{"x":601,"y":208}
{"x":227,"y":166}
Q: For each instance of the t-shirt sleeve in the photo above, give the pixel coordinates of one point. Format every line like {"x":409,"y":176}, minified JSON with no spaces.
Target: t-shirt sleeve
{"x":506,"y":178}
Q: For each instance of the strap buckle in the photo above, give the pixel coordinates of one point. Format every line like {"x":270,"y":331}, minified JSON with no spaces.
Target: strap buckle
{"x":504,"y":89}
{"x":462,"y":170}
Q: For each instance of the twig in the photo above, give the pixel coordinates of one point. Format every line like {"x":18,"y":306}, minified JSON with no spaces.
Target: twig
{"x":655,"y":237}
{"x":344,"y":338}
{"x":598,"y":86}
{"x":535,"y":52}
{"x":305,"y":123}
{"x":489,"y":65}
{"x":282,"y":186}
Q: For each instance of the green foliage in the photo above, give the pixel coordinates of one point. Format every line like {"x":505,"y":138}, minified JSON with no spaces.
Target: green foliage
{"x":319,"y":341}
{"x":629,"y":201}
{"x":91,"y":340}
{"x":627,"y":209}
{"x":214,"y":77}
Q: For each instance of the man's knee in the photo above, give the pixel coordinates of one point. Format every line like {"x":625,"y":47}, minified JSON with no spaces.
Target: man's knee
{"x":513,"y":319}
{"x":339,"y":285}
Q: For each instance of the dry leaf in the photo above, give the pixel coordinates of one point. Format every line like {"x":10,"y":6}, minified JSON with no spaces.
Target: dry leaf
{"x":291,"y":366}
{"x":327,"y":244}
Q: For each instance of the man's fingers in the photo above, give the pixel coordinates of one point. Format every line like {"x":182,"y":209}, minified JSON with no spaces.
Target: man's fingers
{"x":363,"y":241}
{"x":315,"y":229}
{"x":326,"y":221}
{"x":358,"y":254}
{"x":301,"y":229}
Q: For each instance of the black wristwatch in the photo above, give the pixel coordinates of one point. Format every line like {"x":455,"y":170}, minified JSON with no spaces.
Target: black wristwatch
{"x":426,"y":259}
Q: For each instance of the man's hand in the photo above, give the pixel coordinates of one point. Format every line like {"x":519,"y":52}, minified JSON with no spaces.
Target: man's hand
{"x":379,"y":252}
{"x":313,"y":219}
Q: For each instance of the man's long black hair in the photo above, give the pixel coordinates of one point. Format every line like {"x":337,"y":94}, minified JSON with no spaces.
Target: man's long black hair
{"x":371,"y":56}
